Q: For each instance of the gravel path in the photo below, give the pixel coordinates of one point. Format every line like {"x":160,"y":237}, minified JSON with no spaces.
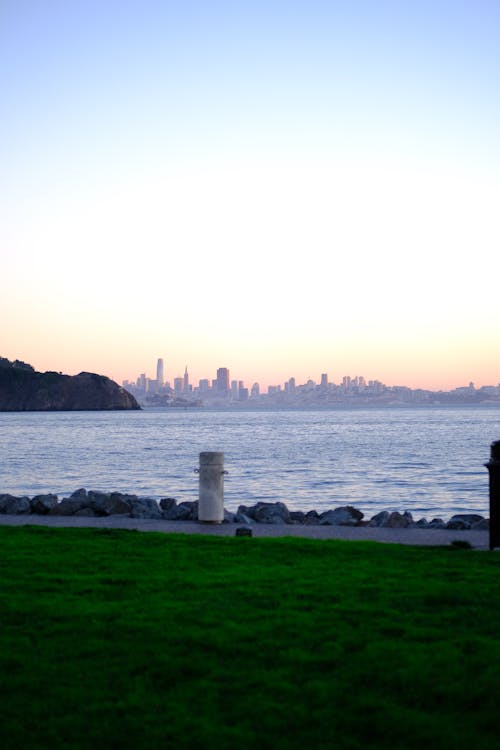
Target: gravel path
{"x":478,"y":539}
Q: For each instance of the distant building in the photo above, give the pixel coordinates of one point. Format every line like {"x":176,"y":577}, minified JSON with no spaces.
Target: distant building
{"x":255,"y":390}
{"x":223,"y":380}
{"x":178,"y":386}
{"x":324,"y":381}
{"x":234,"y":389}
{"x":204,"y":385}
{"x":160,"y":375}
{"x":186,"y":381}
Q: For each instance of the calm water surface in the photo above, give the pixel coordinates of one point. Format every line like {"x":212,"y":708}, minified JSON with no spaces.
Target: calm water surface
{"x":428,"y":461}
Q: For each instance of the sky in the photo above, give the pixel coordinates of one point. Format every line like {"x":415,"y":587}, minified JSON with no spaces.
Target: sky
{"x":280,"y":188}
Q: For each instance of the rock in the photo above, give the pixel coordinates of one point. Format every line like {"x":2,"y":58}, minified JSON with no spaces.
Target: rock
{"x":167,"y":503}
{"x":43,"y":504}
{"x":483,"y":525}
{"x":464,"y":521}
{"x":187,"y":511}
{"x":241,"y":517}
{"x":397,"y":520}
{"x":247,"y":511}
{"x":379,"y":519}
{"x":68,"y":507}
{"x":394,"y":520}
{"x":117,"y":504}
{"x":422,"y":523}
{"x":312,"y":518}
{"x":297,"y":516}
{"x":458,"y":525}
{"x":168,"y":508}
{"x":437,"y":523}
{"x":228,"y":516}
{"x":271,"y":513}
{"x":14,"y":506}
{"x":98,"y":502}
{"x":80,"y":494}
{"x":344,"y":516}
{"x":142,"y":507}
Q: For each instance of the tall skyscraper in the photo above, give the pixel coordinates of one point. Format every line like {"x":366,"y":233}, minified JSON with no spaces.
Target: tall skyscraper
{"x":222,"y":380}
{"x":160,"y":375}
{"x":186,"y":380}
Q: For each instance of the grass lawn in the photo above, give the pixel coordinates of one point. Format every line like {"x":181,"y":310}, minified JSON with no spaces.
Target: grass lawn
{"x":122,"y":639}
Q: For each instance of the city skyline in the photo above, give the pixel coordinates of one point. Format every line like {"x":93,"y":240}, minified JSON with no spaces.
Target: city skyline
{"x":288,"y":188}
{"x":224,"y":383}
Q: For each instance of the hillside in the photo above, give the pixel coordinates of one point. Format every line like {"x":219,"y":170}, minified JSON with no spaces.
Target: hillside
{"x":24,"y":389}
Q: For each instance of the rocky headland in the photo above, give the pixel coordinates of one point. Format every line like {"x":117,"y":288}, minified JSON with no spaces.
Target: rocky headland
{"x":83,"y":503}
{"x":22,"y":388}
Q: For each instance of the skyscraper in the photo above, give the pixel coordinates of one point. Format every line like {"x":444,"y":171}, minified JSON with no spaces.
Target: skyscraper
{"x":222,"y":380}
{"x":160,"y":378}
{"x":186,"y":380}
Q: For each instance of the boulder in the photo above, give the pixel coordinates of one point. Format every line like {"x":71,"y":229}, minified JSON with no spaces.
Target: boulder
{"x":422,"y":523}
{"x":167,"y":503}
{"x":483,"y":525}
{"x":187,"y":511}
{"x":457,"y":525}
{"x":228,"y":516}
{"x":379,"y":519}
{"x":98,"y":502}
{"x":14,"y":506}
{"x":43,"y":504}
{"x":394,"y":520}
{"x":168,"y":508}
{"x":312,"y":518}
{"x":464,"y":521}
{"x":241,"y":517}
{"x":80,"y":494}
{"x":117,"y":504}
{"x":271,"y":513}
{"x":344,"y":516}
{"x":143,"y":507}
{"x":437,"y":523}
{"x":247,"y":511}
{"x":297,"y":516}
{"x":68,"y":507}
{"x":397,"y":520}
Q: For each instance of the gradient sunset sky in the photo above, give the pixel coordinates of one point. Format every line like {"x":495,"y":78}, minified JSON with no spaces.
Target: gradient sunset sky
{"x":281,"y":188}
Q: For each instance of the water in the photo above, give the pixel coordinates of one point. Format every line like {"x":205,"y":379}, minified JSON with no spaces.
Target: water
{"x":429,"y":461}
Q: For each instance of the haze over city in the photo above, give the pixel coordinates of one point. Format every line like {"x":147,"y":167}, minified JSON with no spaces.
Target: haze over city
{"x":282,"y":188}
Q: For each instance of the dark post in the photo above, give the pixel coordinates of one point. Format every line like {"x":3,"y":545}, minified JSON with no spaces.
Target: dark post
{"x":493,"y":467}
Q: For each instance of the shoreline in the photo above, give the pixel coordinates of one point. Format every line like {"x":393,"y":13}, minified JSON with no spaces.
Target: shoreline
{"x":479,"y":540}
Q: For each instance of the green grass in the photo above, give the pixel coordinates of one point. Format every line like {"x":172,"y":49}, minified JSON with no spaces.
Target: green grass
{"x":121,"y":639}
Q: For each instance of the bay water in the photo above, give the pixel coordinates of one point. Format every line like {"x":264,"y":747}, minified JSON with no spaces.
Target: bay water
{"x":429,"y":461}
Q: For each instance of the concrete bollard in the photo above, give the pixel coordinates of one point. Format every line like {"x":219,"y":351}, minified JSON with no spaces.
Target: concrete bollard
{"x":211,"y":497}
{"x":493,"y":467}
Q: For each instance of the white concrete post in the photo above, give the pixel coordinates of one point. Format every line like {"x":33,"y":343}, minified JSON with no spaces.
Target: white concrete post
{"x":211,"y":497}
